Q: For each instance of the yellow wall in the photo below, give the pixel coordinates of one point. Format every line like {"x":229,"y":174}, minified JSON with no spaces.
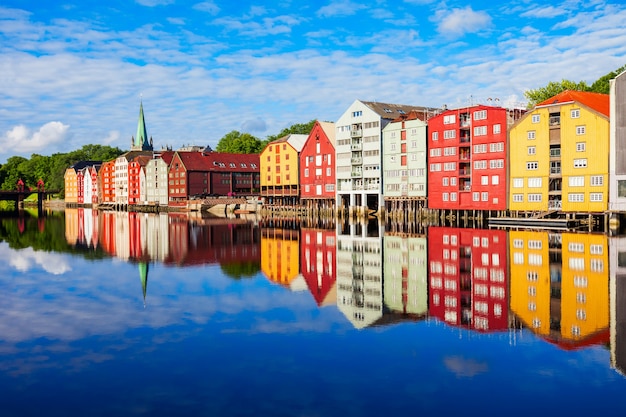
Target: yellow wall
{"x":585,"y":285}
{"x":596,"y":152}
{"x":71,"y":186}
{"x":533,"y":310}
{"x":280,"y":259}
{"x":286,"y":169}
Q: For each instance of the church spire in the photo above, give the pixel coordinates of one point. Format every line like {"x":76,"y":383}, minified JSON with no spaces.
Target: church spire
{"x":141,"y":141}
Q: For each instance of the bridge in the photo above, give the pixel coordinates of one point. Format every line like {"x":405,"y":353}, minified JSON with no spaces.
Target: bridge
{"x":20,"y":195}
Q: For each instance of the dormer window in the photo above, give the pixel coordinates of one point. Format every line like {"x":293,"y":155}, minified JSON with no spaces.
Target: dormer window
{"x":232,"y":165}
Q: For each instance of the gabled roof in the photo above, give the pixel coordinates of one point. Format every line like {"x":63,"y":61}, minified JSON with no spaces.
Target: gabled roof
{"x":83,"y":164}
{"x":329,"y":130}
{"x":391,"y":111}
{"x":296,"y":141}
{"x":596,"y":101}
{"x":412,"y":115}
{"x":166,"y":156}
{"x":130,"y":155}
{"x":219,"y":161}
{"x":142,"y":160}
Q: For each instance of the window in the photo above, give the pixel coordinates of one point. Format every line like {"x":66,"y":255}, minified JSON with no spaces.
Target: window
{"x":495,"y":180}
{"x":449,"y":119}
{"x":435,"y":152}
{"x":580,"y":146}
{"x":484,"y":196}
{"x":580,"y":163}
{"x":484,"y":180}
{"x":535,"y":118}
{"x":444,"y":181}
{"x":475,"y":196}
{"x":580,"y":130}
{"x":449,"y":134}
{"x":357,"y":113}
{"x":532,"y":166}
{"x":574,"y":113}
{"x":518,"y":198}
{"x":532,"y":150}
{"x":480,"y":130}
{"x":576,"y":197}
{"x":596,"y":197}
{"x":480,"y":115}
{"x":534,"y":182}
{"x":535,"y":198}
{"x":435,"y":136}
{"x":597,"y":180}
{"x":576,"y":181}
{"x":531,"y":134}
{"x":496,"y":128}
{"x":518,"y":182}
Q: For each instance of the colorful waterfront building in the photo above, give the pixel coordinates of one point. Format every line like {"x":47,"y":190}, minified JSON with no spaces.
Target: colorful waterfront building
{"x":467,"y":154}
{"x":74,"y":182}
{"x":317,"y":165}
{"x":468,"y":284}
{"x":90,"y":184}
{"x":404,"y":160}
{"x":157,"y":178}
{"x":280,"y":255}
{"x":359,"y":149}
{"x":279,"y":166}
{"x":560,"y":155}
{"x":137,"y":179}
{"x":193,"y":173}
{"x":617,"y":153}
{"x":106,"y":181}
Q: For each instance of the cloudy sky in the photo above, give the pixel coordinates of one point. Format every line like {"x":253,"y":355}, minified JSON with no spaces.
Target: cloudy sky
{"x":73,"y":73}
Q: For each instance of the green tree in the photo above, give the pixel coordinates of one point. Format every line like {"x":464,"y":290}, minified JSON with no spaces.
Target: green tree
{"x":296,"y":129}
{"x":237,"y":142}
{"x":553,"y":88}
{"x":602,"y":84}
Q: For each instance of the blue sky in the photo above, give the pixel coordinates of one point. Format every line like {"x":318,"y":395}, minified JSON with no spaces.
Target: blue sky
{"x":73,"y":73}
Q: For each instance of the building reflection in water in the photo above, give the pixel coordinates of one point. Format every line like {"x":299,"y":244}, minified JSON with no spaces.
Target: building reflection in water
{"x":617,"y":291}
{"x":555,"y":284}
{"x":559,"y":286}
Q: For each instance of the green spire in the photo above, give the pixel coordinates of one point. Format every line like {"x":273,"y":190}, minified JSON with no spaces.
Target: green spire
{"x":143,"y":275}
{"x":141,"y":139}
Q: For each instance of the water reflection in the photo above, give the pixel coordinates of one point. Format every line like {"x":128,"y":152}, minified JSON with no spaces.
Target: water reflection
{"x":566,"y":288}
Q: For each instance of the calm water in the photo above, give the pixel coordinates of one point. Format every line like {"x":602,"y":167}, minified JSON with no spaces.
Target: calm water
{"x":122,"y":314}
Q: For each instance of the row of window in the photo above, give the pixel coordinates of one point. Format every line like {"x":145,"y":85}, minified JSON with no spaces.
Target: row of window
{"x":574,"y":114}
{"x":571,"y":197}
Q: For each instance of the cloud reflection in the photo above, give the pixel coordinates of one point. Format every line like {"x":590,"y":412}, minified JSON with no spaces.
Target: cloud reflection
{"x":26,"y":259}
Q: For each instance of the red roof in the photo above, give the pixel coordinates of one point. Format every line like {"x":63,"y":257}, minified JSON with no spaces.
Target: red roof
{"x":218,"y":161}
{"x":596,"y":101}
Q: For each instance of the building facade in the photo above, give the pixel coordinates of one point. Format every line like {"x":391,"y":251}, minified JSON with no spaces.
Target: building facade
{"x":561,"y":150}
{"x":156,"y":178}
{"x":279,"y":166}
{"x":404,"y":153}
{"x":359,"y":148}
{"x":467,"y":154}
{"x":317,"y":164}
{"x":617,"y":161}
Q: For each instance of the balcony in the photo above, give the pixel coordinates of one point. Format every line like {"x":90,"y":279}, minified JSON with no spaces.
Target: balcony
{"x":357,"y":174}
{"x":555,"y":121}
{"x":555,"y":152}
{"x":465,"y":139}
{"x":554,"y":205}
{"x":356,"y":146}
{"x":356,"y":160}
{"x":357,"y":133}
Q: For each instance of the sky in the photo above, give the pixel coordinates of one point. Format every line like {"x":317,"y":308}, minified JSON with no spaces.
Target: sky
{"x":74,"y":73}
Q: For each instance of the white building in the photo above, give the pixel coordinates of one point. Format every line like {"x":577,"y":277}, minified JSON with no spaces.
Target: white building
{"x":617,"y":144}
{"x":359,"y":152}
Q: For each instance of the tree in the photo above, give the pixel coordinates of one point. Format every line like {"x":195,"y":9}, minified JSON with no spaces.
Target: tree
{"x":553,"y":88}
{"x":237,"y":142}
{"x":602,"y":84}
{"x":296,"y":129}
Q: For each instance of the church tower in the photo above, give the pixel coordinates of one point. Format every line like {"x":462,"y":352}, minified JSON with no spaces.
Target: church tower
{"x":140,"y":142}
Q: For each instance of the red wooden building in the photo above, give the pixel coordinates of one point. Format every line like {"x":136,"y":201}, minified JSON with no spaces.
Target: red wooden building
{"x":106,"y":182}
{"x":317,"y":164}
{"x":212,"y":173}
{"x":136,"y":179}
{"x":468,"y":280}
{"x":467,"y":159}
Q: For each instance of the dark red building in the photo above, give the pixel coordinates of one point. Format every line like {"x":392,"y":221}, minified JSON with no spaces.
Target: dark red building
{"x":212,"y":173}
{"x":468,"y":280}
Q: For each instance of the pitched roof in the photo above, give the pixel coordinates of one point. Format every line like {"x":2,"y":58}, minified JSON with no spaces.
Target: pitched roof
{"x":391,"y":111}
{"x":219,"y":161}
{"x":329,"y":130}
{"x":166,"y":156}
{"x":296,"y":141}
{"x":596,"y":101}
{"x":83,"y":164}
{"x":412,"y":115}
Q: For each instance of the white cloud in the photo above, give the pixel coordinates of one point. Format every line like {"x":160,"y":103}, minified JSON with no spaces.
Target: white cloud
{"x":25,"y":260}
{"x":207,"y":6}
{"x":21,"y":139}
{"x":154,"y":3}
{"x":546,"y":12}
{"x":340,"y":8}
{"x":458,"y":22}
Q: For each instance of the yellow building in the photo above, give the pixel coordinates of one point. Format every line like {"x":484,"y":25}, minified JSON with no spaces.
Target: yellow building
{"x":279,"y":165}
{"x":71,"y":185}
{"x":280,"y":255}
{"x":531,"y":279}
{"x":559,"y":155}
